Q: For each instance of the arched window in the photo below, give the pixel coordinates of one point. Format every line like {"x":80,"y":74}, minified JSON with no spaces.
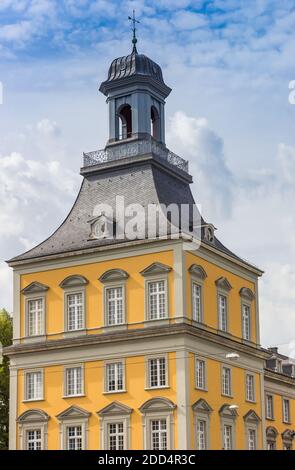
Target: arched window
{"x":125,"y":122}
{"x":155,"y":123}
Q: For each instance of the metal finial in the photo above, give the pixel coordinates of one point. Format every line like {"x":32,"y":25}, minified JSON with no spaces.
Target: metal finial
{"x":134,"y":38}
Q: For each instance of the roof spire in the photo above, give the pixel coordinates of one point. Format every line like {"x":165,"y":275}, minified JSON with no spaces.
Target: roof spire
{"x":134,"y":38}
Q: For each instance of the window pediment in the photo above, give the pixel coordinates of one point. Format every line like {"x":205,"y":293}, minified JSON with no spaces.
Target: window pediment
{"x":115,"y":408}
{"x":198,"y":271}
{"x":271,"y":432}
{"x":287,"y":435}
{"x":33,"y":416}
{"x":156,"y":268}
{"x":74,"y":281}
{"x":251,"y":417}
{"x":73,"y":412}
{"x":247,"y":294}
{"x":202,"y":405}
{"x":227,"y":412}
{"x":157,"y":404}
{"x":223,"y":283}
{"x":114,"y":275}
{"x":35,"y":288}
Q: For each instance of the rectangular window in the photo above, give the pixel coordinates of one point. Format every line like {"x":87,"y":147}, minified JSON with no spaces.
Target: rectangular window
{"x":74,"y":438}
{"x":34,"y":439}
{"x":114,"y":307}
{"x":157,"y":372}
{"x":226,"y":381}
{"x":246,"y":322}
{"x":74,"y":381}
{"x":159,"y":434}
{"x":200,"y":374}
{"x":116,"y":436}
{"x":286,"y":411}
{"x":222,"y":312}
{"x":201,"y":434}
{"x":271,"y":445}
{"x":75,"y":311}
{"x":34,"y":386}
{"x":197,"y":303}
{"x":269,"y":407}
{"x":114,"y":377}
{"x":227,"y":437}
{"x":35,"y":317}
{"x":251,"y":439}
{"x":157,"y":300}
{"x":250,"y":387}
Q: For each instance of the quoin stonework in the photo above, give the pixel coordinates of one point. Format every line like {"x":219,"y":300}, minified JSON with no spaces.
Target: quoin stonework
{"x":149,"y":342}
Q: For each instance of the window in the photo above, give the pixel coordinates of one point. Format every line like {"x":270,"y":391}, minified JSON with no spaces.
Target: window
{"x":226,"y":381}
{"x":114,"y":306}
{"x":35,"y":317}
{"x":286,"y":410}
{"x":74,"y":438}
{"x":116,"y":436}
{"x":197,"y":303}
{"x":159,"y":434}
{"x":157,"y":300}
{"x":200,"y":374}
{"x":251,"y":439}
{"x":114,"y":377}
{"x":250,"y":387}
{"x":34,"y":439}
{"x":33,"y":385}
{"x":227,"y":437}
{"x":201,"y":434}
{"x":75,"y":311}
{"x":246,"y":322}
{"x":125,"y":122}
{"x":269,"y":407}
{"x":74,"y":381}
{"x":157,"y":372}
{"x":222,"y":312}
{"x":271,"y":445}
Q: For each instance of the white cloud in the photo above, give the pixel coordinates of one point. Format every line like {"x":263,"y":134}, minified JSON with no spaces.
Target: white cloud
{"x":188,"y":20}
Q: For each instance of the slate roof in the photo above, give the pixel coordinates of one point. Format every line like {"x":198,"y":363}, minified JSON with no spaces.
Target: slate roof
{"x":146,"y":181}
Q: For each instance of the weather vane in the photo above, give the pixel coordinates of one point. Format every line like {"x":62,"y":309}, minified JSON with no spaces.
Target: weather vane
{"x":134,"y":21}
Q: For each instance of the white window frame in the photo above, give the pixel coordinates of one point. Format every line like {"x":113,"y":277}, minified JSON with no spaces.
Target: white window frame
{"x":199,"y":285}
{"x":248,"y":397}
{"x":249,"y":431}
{"x":106,"y":384}
{"x":26,"y":384}
{"x":76,"y":436}
{"x":204,"y":445}
{"x":117,"y":434}
{"x":67,"y":294}
{"x":220,"y":313}
{"x":34,"y":298}
{"x":66,"y":424}
{"x":223,"y":391}
{"x":32,"y":420}
{"x":269,"y":416}
{"x":199,"y":359}
{"x":284,"y":401}
{"x":107,"y":288}
{"x":246,"y":305}
{"x":33,"y":429}
{"x":224,"y":437}
{"x":148,"y":371}
{"x":160,"y":431}
{"x":73,"y":366}
{"x":148,"y":282}
{"x":114,"y":413}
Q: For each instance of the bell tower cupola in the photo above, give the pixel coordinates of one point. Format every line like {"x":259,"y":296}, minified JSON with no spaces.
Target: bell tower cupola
{"x":136,"y":94}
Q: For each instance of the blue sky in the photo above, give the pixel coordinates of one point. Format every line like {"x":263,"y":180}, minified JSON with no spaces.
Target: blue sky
{"x":229,"y":63}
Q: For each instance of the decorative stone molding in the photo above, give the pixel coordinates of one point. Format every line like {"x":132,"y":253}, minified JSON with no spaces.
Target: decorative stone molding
{"x":74,"y":281}
{"x":271,"y":433}
{"x":113,"y":275}
{"x":154,"y":409}
{"x":198,"y":271}
{"x":251,"y":417}
{"x":156,"y":268}
{"x":113,"y":413}
{"x":202,"y":406}
{"x":35,"y":288}
{"x":73,"y":416}
{"x":247,"y":294}
{"x":157,"y":404}
{"x":34,"y":419}
{"x":223,"y":283}
{"x":33,"y":416}
{"x":115,"y":408}
{"x":73,"y":412}
{"x":227,"y":412}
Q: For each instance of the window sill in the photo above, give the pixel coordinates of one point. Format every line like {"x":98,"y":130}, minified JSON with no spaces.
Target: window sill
{"x":119,"y":327}
{"x":201,"y":389}
{"x":157,"y":388}
{"x":74,"y":333}
{"x":270,"y":419}
{"x":251,"y":401}
{"x":227,"y":396}
{"x":115,"y":391}
{"x":33,"y":400}
{"x":81,"y":395}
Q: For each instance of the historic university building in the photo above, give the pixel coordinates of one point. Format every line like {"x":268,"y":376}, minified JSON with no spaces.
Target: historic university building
{"x":144,"y":343}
